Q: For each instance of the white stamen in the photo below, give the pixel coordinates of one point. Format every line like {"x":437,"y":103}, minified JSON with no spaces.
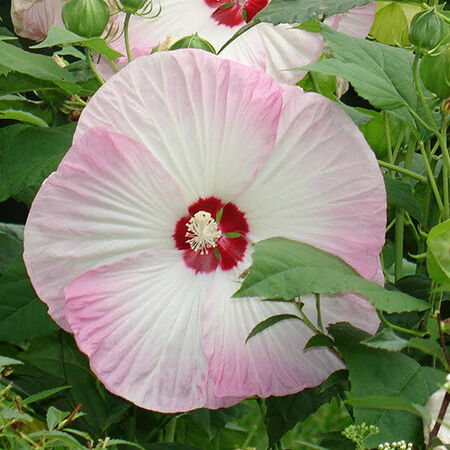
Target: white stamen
{"x":202,"y":232}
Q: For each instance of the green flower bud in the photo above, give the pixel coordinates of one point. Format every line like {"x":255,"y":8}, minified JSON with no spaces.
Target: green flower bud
{"x":193,"y":41}
{"x":133,"y":6}
{"x":87,"y":18}
{"x":435,"y":73}
{"x":427,"y":29}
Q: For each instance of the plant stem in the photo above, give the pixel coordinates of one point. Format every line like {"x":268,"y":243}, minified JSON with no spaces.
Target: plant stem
{"x":397,"y":328}
{"x":171,"y":428}
{"x":126,"y":36}
{"x":92,"y":67}
{"x":431,"y":179}
{"x":315,"y":83}
{"x":403,"y":171}
{"x":387,"y":134}
{"x":399,"y":143}
{"x":440,"y":418}
{"x":398,"y":244}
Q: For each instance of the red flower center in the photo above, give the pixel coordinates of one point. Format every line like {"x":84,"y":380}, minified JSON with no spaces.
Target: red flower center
{"x":213,"y":235}
{"x":234,"y":13}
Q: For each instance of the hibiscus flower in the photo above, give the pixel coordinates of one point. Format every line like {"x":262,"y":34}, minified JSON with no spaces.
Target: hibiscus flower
{"x":139,"y":239}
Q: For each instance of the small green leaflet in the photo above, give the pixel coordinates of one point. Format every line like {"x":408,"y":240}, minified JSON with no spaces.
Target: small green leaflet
{"x":269,"y":322}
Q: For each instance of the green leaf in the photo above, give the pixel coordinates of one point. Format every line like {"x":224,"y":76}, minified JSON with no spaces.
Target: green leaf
{"x":298,"y":11}
{"x":61,"y":36}
{"x":22,"y":314}
{"x":8,"y":414}
{"x":43,"y":395}
{"x":15,"y":82}
{"x":5,"y":361}
{"x":381,"y":74}
{"x":57,"y":438}
{"x":283,"y":413}
{"x":400,"y":194}
{"x":283,"y":268}
{"x":54,"y":417}
{"x":38,"y":66}
{"x":438,"y":252}
{"x":10,"y":248}
{"x":269,"y":322}
{"x":319,"y":340}
{"x":32,"y":154}
{"x":428,"y":346}
{"x":22,"y":116}
{"x":383,"y":402}
{"x":58,"y":356}
{"x":386,"y":339}
{"x":374,"y":372}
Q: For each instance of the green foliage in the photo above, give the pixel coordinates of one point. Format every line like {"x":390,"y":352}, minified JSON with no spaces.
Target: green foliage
{"x":384,"y":374}
{"x":298,"y":11}
{"x":381,"y":74}
{"x":193,"y":41}
{"x":287,"y":269}
{"x":438,"y":253}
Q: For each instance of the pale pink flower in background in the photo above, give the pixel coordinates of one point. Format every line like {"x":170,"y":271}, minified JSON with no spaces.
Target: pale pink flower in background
{"x":433,"y":406}
{"x":267,"y":47}
{"x":33,"y":18}
{"x":124,"y":243}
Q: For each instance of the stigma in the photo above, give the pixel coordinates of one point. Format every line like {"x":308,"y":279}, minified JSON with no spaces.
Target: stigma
{"x":203,"y":232}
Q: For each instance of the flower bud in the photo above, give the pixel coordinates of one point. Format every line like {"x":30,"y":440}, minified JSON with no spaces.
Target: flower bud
{"x":435,"y":73}
{"x":87,"y":18}
{"x":445,"y":109}
{"x":427,"y":29}
{"x":132,"y":6}
{"x":193,"y":41}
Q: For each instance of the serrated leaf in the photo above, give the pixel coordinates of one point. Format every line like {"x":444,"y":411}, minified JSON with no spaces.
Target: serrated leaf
{"x":383,"y":402}
{"x":261,"y":326}
{"x":428,"y":346}
{"x":298,"y":11}
{"x":374,"y":372}
{"x":283,"y":268}
{"x":319,"y":340}
{"x":381,"y":74}
{"x":56,"y":438}
{"x":13,"y":414}
{"x":386,"y":339}
{"x":43,"y":395}
{"x":61,"y":36}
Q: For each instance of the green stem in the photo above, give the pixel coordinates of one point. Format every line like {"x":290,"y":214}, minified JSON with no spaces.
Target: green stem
{"x":319,"y":313}
{"x":403,"y":171}
{"x":399,"y":143}
{"x":92,"y":66}
{"x":126,"y":36}
{"x":445,"y":183}
{"x":419,"y":90}
{"x":171,"y":428}
{"x":431,"y":179}
{"x":314,"y":82}
{"x":387,"y":134}
{"x":398,"y":244}
{"x":397,"y":328}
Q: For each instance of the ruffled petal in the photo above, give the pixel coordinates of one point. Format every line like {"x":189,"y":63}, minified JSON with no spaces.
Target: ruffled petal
{"x":188,"y":108}
{"x":33,"y":18}
{"x":356,"y":22}
{"x":109,"y":198}
{"x":271,"y":363}
{"x":276,"y":49}
{"x":139,"y":321}
{"x":321,"y":185}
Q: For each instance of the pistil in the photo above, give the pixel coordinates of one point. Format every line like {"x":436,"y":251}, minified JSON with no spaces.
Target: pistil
{"x":202,"y":232}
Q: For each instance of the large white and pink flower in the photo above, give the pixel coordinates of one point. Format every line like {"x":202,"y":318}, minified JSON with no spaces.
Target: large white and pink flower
{"x":274,"y":49}
{"x":125,"y":243}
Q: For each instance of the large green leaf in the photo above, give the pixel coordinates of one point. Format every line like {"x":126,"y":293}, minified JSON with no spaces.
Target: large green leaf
{"x":376,"y":372}
{"x":381,"y":74}
{"x":438,"y":252}
{"x":298,"y":11}
{"x":15,"y":82}
{"x":283,"y":413}
{"x":38,"y":66}
{"x":60,"y":36}
{"x":59,"y":357}
{"x":10,"y":248}
{"x":287,"y":269}
{"x":22,"y":314}
{"x":32,"y":154}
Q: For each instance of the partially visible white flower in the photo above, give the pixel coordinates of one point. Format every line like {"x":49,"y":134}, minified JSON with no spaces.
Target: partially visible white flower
{"x":433,"y":406}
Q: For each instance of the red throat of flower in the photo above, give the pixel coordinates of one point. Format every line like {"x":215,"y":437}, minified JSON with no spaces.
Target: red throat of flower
{"x":212,"y":236}
{"x":234,"y":13}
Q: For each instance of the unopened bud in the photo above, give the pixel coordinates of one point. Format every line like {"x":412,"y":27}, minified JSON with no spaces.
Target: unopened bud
{"x":132,"y":6}
{"x":87,"y":18}
{"x":427,"y":29}
{"x":435,"y":73}
{"x":193,"y":41}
